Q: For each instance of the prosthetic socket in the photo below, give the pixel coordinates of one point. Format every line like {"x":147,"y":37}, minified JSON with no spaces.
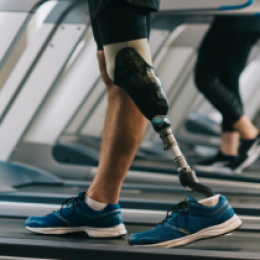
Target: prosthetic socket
{"x":139,"y":81}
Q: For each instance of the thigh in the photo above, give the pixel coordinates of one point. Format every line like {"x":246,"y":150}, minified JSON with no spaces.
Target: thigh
{"x":237,"y":53}
{"x":236,"y":59}
{"x":213,"y":48}
{"x":122,"y":22}
{"x":222,"y":50}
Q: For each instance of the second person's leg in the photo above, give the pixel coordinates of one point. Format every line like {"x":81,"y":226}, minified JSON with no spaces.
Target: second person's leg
{"x":124,"y":124}
{"x":221,"y":60}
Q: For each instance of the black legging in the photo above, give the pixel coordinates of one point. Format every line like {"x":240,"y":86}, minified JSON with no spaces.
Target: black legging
{"x":221,"y":59}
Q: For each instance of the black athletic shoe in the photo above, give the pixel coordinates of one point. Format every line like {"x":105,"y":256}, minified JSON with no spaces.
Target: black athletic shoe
{"x":218,"y":163}
{"x":249,"y":151}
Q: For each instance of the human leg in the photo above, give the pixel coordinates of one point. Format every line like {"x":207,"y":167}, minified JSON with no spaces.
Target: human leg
{"x":246,"y":128}
{"x":124,"y":124}
{"x":229,"y":143}
{"x":249,"y":147}
{"x":123,"y":131}
{"x":221,"y":60}
{"x":230,"y":75}
{"x":124,"y":128}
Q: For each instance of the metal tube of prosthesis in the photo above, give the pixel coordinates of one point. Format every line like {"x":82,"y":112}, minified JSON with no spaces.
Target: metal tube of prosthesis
{"x":171,"y":144}
{"x":187,"y":176}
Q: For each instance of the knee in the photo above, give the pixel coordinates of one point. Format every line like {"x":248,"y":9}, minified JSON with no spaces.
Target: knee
{"x":115,"y":93}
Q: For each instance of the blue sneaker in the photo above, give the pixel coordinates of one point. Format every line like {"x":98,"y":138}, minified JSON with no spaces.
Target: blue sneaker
{"x":78,"y":217}
{"x":187,"y":222}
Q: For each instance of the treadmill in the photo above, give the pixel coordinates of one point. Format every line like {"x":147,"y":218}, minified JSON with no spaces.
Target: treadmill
{"x":32,"y":185}
{"x":14,"y":16}
{"x":16,"y":242}
{"x":27,"y":198}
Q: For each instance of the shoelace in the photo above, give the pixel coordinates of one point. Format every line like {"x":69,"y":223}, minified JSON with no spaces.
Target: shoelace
{"x":74,"y":202}
{"x":181,"y":208}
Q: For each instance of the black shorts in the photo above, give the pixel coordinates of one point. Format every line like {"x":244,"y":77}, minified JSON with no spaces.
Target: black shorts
{"x":120,"y":22}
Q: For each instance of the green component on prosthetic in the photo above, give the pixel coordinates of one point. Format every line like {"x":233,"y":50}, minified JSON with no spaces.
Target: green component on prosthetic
{"x":157,"y":121}
{"x":160,"y":122}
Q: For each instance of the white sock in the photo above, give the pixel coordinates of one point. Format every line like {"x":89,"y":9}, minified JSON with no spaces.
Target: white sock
{"x":95,"y":205}
{"x":210,"y":202}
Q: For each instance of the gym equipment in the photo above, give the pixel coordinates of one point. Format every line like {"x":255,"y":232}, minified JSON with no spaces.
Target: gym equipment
{"x":252,"y":9}
{"x":181,"y":5}
{"x":16,"y":242}
{"x":26,"y":74}
{"x":14,"y":18}
{"x":139,"y":215}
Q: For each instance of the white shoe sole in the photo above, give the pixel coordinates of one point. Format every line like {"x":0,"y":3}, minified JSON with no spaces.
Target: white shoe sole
{"x":116,"y":231}
{"x":228,"y":226}
{"x":253,"y":155}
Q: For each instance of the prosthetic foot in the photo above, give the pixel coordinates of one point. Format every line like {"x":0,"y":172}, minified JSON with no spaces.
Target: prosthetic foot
{"x":139,"y":81}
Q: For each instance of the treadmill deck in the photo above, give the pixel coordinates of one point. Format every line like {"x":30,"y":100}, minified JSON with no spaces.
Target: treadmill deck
{"x":15,"y":240}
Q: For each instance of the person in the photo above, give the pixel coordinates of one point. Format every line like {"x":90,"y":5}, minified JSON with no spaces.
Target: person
{"x":135,"y":94}
{"x":221,"y":59}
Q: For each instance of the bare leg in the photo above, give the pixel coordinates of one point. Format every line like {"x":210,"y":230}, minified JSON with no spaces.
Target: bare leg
{"x":229,"y":143}
{"x":246,"y":128}
{"x":123,"y":131}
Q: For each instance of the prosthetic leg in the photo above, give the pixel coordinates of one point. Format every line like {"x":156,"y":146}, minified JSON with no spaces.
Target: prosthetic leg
{"x":139,"y":81}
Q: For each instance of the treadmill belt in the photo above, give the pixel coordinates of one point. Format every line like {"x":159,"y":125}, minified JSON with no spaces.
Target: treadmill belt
{"x":15,"y":240}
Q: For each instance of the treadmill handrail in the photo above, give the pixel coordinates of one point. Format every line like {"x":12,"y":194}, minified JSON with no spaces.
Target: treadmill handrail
{"x":186,"y":5}
{"x":251,"y":9}
{"x":80,"y":33}
{"x":22,"y":5}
